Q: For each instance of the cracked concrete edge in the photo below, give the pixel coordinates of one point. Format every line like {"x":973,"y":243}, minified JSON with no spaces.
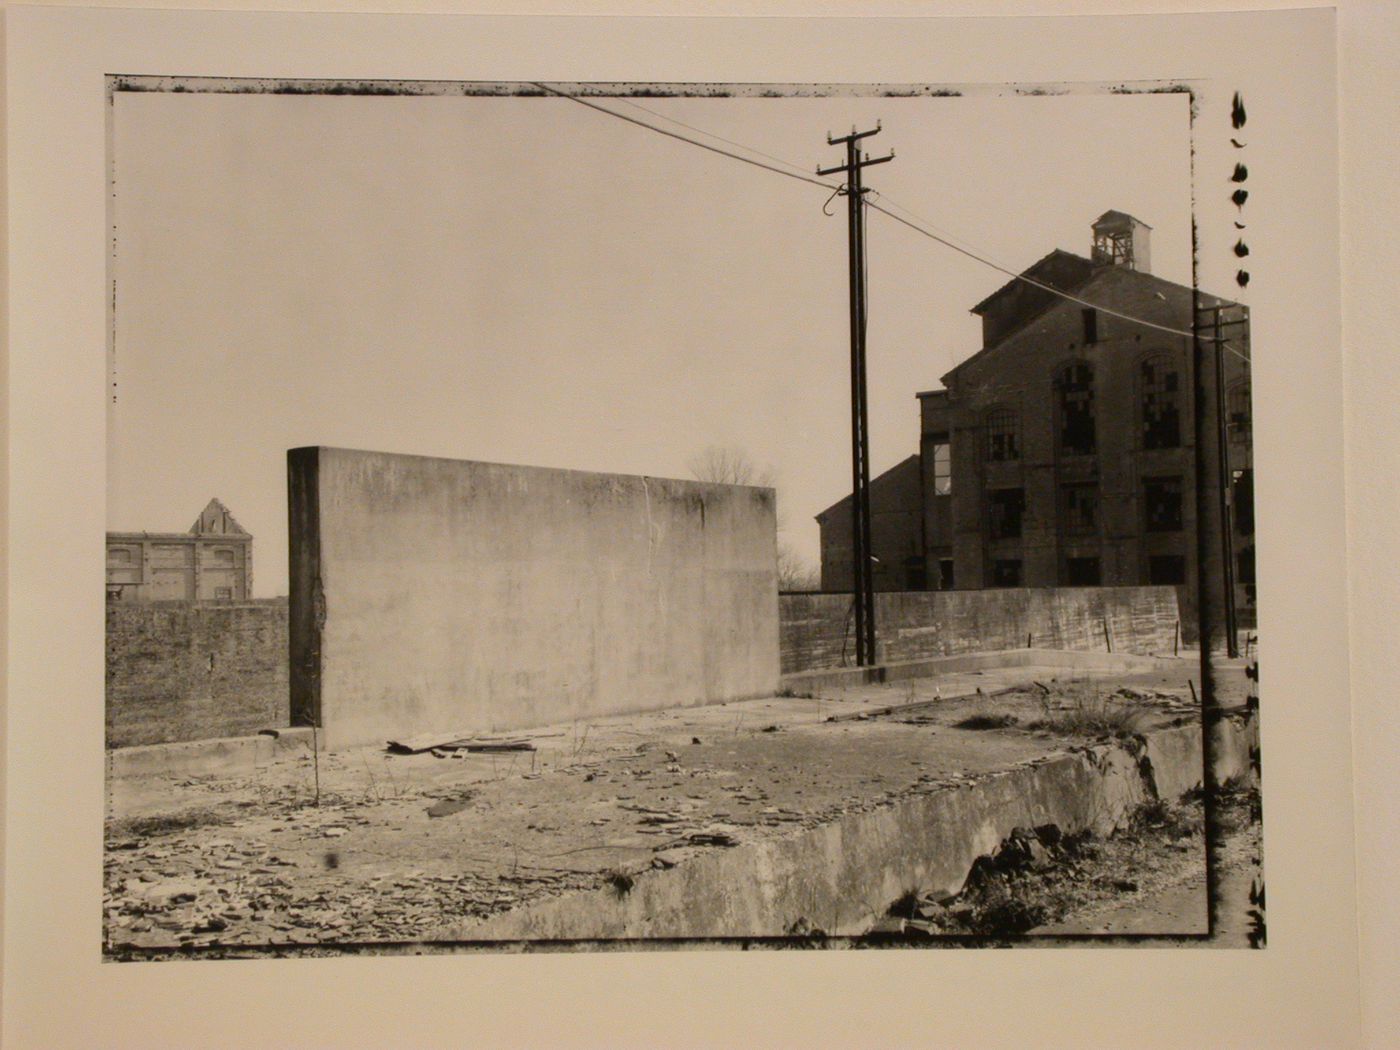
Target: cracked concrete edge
{"x":222,"y":756}
{"x":841,"y":875}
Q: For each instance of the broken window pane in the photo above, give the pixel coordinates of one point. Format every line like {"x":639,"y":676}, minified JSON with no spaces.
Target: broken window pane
{"x":1005,"y":509}
{"x":1003,"y":438}
{"x":1074,"y":396}
{"x":1079,"y":510}
{"x":1161,"y":411}
{"x":1162,"y":504}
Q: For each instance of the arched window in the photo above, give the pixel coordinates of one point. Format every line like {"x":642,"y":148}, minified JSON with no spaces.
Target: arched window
{"x":1003,"y":435}
{"x":1074,"y":402}
{"x":1161,"y":402}
{"x":222,"y":556}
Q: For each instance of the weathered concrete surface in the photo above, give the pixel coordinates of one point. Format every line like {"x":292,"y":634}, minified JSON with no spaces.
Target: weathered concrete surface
{"x":840,"y":876}
{"x":918,"y":625}
{"x":188,"y":670}
{"x":225,"y":756}
{"x":435,"y":594}
{"x":1048,"y":659}
{"x":609,"y":825}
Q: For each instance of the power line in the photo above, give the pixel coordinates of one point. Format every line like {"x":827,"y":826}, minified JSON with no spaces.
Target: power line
{"x":974,"y":255}
{"x":1056,"y":291}
{"x":711,"y":134}
{"x":683,"y":138}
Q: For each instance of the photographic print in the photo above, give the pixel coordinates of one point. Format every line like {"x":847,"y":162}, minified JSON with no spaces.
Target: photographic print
{"x":683,"y":514}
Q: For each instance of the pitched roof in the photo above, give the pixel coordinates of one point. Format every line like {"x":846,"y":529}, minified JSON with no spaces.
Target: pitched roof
{"x":216,"y":519}
{"x":1041,"y":271}
{"x":1084,"y":288}
{"x":909,"y":462}
{"x":1118,"y":216}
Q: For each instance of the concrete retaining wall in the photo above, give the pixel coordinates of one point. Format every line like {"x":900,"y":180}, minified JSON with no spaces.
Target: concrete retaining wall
{"x":192,"y":670}
{"x":435,"y":594}
{"x":916,"y":625}
{"x":1079,"y":660}
{"x":841,"y":876}
{"x":236,"y":756}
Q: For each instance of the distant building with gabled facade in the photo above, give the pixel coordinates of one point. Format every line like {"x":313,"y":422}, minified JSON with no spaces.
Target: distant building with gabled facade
{"x":213,"y":561}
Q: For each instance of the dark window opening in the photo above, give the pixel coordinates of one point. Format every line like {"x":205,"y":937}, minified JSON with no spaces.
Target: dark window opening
{"x":914,"y":576}
{"x":1239,"y":413}
{"x":1161,"y":411}
{"x":1006,"y":572}
{"x":1166,"y":569}
{"x":1074,"y":389}
{"x":1079,"y":510}
{"x":1081,"y":572}
{"x":942,"y":469}
{"x":1003,"y":437}
{"x":1242,"y":502}
{"x":1244,"y":567}
{"x":1005,"y":508}
{"x":945,"y":574}
{"x":1091,"y":325}
{"x":1162,"y":504}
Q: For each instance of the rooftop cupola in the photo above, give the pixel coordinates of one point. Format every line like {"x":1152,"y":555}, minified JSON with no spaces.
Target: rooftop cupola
{"x":1120,"y":240}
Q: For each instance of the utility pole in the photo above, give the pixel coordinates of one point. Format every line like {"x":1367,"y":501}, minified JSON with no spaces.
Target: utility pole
{"x":863,"y":585}
{"x":1210,"y":329}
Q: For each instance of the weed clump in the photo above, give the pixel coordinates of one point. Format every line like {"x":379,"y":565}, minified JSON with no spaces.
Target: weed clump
{"x":982,"y":720}
{"x":1094,"y":715}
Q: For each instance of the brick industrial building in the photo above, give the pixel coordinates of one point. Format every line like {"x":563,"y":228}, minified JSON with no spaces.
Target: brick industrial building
{"x":213,"y":561}
{"x":1063,"y":452}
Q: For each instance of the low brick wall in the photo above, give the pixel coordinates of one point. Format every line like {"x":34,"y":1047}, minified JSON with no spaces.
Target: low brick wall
{"x":817,"y":630}
{"x":194,"y":670}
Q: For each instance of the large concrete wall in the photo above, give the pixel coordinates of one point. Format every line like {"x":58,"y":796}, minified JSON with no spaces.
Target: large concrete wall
{"x":917,"y":625}
{"x":194,"y":670}
{"x":436,"y":594}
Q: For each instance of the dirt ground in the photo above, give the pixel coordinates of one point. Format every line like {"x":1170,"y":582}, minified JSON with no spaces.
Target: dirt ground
{"x":1144,"y":885}
{"x":366,"y":847}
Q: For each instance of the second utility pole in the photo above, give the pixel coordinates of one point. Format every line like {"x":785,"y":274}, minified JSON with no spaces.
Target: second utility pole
{"x":863,"y":584}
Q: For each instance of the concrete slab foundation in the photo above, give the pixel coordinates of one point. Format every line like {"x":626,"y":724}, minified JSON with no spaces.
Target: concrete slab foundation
{"x":841,"y":876}
{"x":742,"y":820}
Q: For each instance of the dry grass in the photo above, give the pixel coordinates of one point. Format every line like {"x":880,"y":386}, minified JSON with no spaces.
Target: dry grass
{"x":167,"y":824}
{"x":1094,"y":715}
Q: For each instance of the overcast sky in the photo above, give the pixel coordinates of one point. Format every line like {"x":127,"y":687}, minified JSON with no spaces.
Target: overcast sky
{"x":523,"y":280}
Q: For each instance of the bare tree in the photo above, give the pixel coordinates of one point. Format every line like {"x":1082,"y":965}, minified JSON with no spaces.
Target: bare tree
{"x":796,"y":573}
{"x":721,"y":465}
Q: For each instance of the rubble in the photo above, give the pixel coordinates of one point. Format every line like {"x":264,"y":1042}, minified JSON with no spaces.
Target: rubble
{"x":374,"y":862}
